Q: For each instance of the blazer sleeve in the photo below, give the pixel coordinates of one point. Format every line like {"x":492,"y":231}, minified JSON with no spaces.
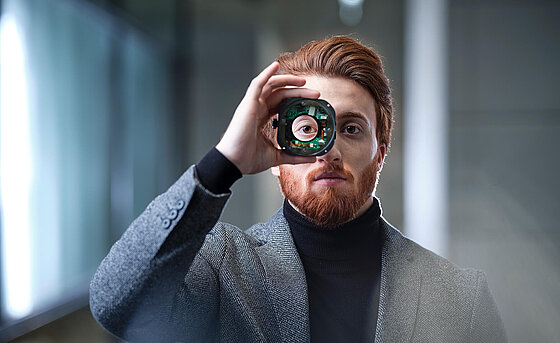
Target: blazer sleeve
{"x":486,"y":323}
{"x":132,"y":292}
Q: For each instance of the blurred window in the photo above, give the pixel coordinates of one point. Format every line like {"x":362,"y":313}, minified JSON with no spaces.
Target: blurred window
{"x":85,"y":121}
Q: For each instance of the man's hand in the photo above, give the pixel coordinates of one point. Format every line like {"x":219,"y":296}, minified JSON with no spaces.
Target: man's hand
{"x":244,"y":143}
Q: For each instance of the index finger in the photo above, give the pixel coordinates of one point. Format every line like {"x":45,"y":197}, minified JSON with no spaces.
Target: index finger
{"x":279,"y":81}
{"x":257,"y":84}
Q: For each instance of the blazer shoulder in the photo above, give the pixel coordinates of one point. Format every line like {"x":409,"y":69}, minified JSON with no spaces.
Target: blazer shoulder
{"x":226,"y":238}
{"x":232,"y":234}
{"x":262,"y":232}
{"x":462,"y":293}
{"x":430,"y":264}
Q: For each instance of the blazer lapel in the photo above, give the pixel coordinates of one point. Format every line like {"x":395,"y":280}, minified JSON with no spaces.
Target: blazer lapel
{"x":286,"y":283}
{"x":400,"y":289}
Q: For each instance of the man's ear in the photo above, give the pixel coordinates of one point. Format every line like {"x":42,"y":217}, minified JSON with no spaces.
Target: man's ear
{"x":275,"y":171}
{"x":381,"y":153}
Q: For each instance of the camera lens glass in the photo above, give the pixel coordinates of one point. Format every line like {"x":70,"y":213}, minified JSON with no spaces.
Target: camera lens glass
{"x":305,"y":128}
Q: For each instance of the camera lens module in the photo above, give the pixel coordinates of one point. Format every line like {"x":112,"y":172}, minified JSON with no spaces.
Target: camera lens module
{"x":306,"y":127}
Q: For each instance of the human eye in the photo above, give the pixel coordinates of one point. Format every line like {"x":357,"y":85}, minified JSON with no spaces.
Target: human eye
{"x":351,"y":129}
{"x":306,"y":132}
{"x":305,"y":128}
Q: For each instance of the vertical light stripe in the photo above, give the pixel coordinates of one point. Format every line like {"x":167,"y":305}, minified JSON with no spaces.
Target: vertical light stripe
{"x":425,"y":124}
{"x":15,"y":171}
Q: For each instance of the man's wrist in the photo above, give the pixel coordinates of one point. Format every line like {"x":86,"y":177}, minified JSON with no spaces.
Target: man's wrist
{"x":216,"y":172}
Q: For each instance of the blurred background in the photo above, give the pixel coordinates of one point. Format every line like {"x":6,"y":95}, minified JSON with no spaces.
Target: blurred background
{"x":105,"y":103}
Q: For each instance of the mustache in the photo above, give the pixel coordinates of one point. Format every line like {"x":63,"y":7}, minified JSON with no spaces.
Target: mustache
{"x":330,"y":167}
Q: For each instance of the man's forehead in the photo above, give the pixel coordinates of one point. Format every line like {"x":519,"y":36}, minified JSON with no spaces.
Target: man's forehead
{"x":342,"y":90}
{"x":348,"y":97}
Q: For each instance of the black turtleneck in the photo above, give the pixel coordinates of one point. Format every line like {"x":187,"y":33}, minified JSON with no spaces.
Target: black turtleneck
{"x":342,"y":267}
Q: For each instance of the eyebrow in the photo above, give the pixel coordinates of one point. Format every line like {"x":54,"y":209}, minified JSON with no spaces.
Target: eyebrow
{"x":357,"y":115}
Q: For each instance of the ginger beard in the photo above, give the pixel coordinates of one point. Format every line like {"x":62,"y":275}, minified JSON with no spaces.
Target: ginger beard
{"x":333,"y":206}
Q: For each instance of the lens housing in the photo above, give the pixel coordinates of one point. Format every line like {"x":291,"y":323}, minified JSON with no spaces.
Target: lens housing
{"x":306,"y":127}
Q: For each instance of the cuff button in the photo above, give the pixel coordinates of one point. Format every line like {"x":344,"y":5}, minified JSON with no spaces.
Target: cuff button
{"x":180,"y":204}
{"x":166,"y":223}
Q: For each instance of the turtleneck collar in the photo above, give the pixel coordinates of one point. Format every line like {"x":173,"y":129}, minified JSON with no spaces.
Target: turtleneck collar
{"x":355,"y":239}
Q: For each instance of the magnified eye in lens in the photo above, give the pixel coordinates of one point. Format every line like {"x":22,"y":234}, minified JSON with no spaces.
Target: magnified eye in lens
{"x":305,"y":128}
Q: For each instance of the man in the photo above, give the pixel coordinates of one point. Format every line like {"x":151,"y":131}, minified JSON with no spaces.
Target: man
{"x":326,"y":268}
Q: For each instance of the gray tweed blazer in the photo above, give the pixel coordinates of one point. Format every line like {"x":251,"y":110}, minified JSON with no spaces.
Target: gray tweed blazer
{"x":179,"y":275}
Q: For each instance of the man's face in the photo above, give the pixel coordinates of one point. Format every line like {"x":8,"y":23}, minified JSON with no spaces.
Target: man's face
{"x":339,"y":185}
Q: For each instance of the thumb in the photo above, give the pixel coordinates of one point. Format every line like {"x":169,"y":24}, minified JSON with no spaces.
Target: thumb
{"x":284,"y":158}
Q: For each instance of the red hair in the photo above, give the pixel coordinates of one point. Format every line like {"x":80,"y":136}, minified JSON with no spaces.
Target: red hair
{"x":341,"y":56}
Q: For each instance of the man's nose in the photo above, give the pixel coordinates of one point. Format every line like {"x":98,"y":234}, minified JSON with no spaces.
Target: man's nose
{"x":333,"y":155}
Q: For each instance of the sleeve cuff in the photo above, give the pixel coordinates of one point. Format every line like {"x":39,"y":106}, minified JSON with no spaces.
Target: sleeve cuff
{"x":216,"y":172}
